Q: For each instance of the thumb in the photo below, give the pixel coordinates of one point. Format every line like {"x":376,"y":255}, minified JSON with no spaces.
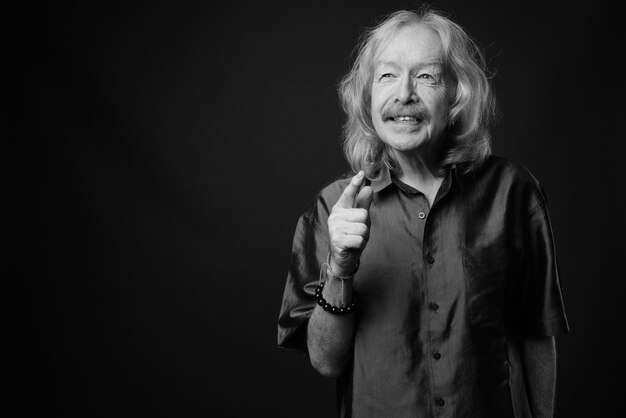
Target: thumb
{"x":364,"y":198}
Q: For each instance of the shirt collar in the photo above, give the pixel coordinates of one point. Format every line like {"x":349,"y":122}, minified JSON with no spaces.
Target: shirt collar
{"x":385,"y":178}
{"x":383,"y":181}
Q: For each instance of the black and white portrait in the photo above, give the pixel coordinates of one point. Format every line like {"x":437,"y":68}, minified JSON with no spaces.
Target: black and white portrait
{"x":314,"y":209}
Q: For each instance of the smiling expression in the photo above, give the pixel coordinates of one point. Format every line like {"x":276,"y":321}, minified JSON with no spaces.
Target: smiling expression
{"x":409,"y":96}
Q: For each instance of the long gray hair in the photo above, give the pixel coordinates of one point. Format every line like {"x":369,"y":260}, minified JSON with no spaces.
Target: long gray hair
{"x":468,"y":114}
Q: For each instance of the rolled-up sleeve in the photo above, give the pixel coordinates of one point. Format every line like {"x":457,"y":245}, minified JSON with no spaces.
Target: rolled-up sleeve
{"x":310,"y":248}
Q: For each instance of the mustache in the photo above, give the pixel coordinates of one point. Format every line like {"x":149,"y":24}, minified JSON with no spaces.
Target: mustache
{"x":397,"y":110}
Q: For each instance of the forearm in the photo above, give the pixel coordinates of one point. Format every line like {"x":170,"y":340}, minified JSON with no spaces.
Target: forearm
{"x":540,"y":368}
{"x":330,"y":337}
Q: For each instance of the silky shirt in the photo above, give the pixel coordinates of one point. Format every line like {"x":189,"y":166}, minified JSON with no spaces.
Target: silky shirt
{"x":446,"y":294}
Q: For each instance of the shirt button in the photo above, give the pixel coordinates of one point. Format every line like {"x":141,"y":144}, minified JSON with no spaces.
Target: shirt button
{"x":430,"y":259}
{"x":421,"y":215}
{"x":436,"y":356}
{"x":440,"y":401}
{"x":433,"y":306}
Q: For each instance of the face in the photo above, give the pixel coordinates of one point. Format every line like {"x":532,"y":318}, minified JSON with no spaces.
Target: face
{"x":409,"y":95}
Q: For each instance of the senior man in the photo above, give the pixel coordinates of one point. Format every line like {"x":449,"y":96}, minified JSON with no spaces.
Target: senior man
{"x":427,"y":283}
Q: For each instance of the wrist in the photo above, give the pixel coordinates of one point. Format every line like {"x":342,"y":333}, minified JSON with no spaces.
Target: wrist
{"x":336,"y":302}
{"x":338,"y":289}
{"x":341,"y":273}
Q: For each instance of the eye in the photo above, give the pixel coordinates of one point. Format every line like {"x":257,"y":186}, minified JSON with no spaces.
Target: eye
{"x":429,"y":79}
{"x":385,"y":76}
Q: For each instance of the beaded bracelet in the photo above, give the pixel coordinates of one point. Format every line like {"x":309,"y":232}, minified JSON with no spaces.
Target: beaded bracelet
{"x":338,"y":310}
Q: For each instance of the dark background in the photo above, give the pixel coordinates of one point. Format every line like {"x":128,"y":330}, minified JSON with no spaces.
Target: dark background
{"x":160,"y":155}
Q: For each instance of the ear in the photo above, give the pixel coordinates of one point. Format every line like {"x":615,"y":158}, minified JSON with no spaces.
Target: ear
{"x":451,"y":89}
{"x":451,"y":83}
{"x":453,"y":125}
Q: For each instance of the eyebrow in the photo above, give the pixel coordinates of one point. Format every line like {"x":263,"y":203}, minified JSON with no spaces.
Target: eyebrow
{"x":379,"y":64}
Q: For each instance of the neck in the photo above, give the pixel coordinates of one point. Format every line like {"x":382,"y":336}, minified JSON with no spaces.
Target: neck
{"x":422,"y":171}
{"x":420,"y":168}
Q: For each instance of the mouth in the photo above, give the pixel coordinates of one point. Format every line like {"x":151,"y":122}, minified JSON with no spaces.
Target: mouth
{"x":409,"y":119}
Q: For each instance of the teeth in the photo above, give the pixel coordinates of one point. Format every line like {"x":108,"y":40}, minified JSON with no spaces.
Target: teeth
{"x":406,"y":119}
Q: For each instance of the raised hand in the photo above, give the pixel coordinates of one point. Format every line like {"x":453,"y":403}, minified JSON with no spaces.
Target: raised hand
{"x":348,"y":226}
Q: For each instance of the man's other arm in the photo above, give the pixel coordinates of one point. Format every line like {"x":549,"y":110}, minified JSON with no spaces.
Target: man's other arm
{"x":539,"y":356}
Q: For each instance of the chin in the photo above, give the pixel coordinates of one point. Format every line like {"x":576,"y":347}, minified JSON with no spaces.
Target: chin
{"x":404,"y":144}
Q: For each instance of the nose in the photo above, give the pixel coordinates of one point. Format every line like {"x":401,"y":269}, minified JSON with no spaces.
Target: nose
{"x":406,"y":90}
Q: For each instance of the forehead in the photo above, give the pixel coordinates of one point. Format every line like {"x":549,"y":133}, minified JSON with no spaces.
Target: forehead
{"x":411,"y":44}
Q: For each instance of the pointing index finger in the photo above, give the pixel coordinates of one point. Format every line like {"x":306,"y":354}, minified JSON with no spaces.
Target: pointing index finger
{"x":346,"y":200}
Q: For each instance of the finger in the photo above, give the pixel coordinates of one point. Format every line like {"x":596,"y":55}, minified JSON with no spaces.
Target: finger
{"x":346,"y":200}
{"x":350,"y":242}
{"x":364,"y":198}
{"x":348,"y":215}
{"x":355,"y":228}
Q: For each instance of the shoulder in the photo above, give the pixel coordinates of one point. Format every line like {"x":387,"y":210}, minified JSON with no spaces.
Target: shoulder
{"x":512,"y":178}
{"x":331,"y":191}
{"x":509,"y":170}
{"x":327,"y":196}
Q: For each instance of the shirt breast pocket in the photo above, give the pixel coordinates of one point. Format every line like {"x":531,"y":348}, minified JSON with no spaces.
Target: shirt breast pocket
{"x":486,"y":270}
